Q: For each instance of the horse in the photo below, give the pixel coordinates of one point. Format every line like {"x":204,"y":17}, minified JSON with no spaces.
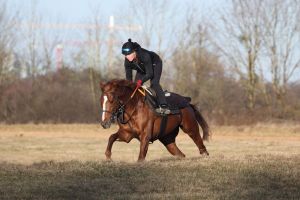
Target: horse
{"x":122,"y":104}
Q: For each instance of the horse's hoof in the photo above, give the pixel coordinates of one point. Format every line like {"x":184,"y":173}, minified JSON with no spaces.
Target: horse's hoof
{"x":108,"y":154}
{"x":108,"y":160}
{"x":204,"y":152}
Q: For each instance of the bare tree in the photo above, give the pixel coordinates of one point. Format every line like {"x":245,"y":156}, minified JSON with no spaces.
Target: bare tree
{"x":38,"y":43}
{"x":156,"y":27}
{"x":281,"y":39}
{"x":7,"y":40}
{"x":95,"y":39}
{"x":260,"y":41}
{"x":191,"y":50}
{"x":240,"y":41}
{"x":31,"y":42}
{"x":198,"y":72}
{"x":49,"y":42}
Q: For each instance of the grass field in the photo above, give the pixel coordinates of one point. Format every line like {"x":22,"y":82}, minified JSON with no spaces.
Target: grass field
{"x":67,"y":162}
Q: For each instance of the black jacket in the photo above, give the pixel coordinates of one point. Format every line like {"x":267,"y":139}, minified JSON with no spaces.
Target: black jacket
{"x":144,"y":64}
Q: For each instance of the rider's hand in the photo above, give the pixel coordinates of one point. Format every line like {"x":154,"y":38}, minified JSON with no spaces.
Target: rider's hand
{"x":139,"y":83}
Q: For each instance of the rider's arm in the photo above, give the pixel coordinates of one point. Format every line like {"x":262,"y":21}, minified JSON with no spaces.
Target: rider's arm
{"x":128,"y":70}
{"x":148,"y":67}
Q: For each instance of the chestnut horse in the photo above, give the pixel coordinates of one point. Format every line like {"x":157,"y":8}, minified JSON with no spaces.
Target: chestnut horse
{"x":137,"y":120}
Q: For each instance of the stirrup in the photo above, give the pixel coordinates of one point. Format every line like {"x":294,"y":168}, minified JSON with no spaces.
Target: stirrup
{"x":161,"y":110}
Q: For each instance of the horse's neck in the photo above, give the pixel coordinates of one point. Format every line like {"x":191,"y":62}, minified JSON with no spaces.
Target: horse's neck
{"x":132,"y":105}
{"x":133,"y":102}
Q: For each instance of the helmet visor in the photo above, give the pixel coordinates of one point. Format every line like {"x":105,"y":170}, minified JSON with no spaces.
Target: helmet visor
{"x":126,"y":51}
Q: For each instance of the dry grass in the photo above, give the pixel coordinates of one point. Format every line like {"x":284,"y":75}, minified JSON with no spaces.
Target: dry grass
{"x":26,"y":144}
{"x":67,"y":162}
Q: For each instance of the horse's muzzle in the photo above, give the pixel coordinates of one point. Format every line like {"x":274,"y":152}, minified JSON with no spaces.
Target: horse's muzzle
{"x":105,"y":124}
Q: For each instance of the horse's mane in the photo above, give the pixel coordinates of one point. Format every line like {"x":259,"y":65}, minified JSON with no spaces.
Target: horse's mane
{"x":121,"y":83}
{"x":121,"y":87}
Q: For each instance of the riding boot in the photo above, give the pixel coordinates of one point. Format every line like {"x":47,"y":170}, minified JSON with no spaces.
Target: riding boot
{"x":163,"y":106}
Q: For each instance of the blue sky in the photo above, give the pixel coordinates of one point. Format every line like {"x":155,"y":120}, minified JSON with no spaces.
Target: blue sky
{"x":79,"y":10}
{"x":74,"y":11}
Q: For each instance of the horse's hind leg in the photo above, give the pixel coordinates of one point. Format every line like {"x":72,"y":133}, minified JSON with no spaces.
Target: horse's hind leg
{"x":190,"y":126}
{"x":169,"y":142}
{"x":195,"y":135}
{"x":174,"y":150}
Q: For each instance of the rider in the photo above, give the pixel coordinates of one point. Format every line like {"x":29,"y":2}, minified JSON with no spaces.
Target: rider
{"x":148,"y":66}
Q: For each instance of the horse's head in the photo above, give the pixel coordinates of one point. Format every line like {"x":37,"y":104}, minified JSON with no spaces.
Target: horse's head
{"x":114,"y":94}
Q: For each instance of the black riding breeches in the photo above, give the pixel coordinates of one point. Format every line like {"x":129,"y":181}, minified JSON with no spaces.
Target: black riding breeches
{"x":157,"y":69}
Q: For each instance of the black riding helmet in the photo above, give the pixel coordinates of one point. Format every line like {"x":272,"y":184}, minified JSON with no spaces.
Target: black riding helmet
{"x":129,"y":47}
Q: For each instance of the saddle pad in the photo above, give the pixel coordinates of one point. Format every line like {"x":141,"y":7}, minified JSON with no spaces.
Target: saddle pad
{"x":176,"y":101}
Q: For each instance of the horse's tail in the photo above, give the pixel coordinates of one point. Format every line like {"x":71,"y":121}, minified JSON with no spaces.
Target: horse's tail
{"x":202,"y":123}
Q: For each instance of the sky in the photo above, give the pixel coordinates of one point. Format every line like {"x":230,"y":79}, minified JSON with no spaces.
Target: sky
{"x":66,"y":10}
{"x":77,"y":11}
{"x":81,"y":12}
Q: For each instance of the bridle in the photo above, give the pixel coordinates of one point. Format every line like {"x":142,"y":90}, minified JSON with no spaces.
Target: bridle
{"x":119,"y":113}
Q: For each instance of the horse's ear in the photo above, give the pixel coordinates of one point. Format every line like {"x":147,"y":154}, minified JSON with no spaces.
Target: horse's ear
{"x":102,"y":84}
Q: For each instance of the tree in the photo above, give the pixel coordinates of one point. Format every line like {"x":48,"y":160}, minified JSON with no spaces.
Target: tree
{"x":260,"y":40}
{"x":31,"y":54}
{"x":95,"y":36}
{"x":7,"y":41}
{"x":281,"y":37}
{"x":240,"y":41}
{"x":153,"y":16}
{"x":198,"y":72}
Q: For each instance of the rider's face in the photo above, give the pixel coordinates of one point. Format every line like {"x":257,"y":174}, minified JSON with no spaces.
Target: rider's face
{"x":131,"y":56}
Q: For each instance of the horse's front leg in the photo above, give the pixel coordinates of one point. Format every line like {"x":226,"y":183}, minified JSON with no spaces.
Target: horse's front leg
{"x":111,"y":140}
{"x":144,"y":143}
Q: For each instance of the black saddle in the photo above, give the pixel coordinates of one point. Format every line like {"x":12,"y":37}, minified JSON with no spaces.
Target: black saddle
{"x":174,"y":101}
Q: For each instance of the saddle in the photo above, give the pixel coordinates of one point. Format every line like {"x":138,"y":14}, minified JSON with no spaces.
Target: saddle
{"x":174,"y":100}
